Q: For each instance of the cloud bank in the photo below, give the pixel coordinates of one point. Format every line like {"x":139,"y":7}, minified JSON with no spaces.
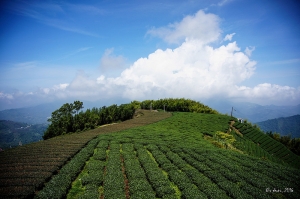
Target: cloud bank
{"x":194,"y":69}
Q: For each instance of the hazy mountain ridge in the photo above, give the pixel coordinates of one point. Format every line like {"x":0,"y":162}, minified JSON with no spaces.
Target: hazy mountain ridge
{"x":283,"y":125}
{"x":13,"y":134}
{"x":254,"y":112}
{"x":40,"y":113}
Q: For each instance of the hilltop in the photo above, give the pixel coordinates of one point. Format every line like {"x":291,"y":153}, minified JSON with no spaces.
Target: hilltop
{"x":155,"y":155}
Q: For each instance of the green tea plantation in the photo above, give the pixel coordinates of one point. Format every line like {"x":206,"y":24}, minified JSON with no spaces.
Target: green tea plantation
{"x":177,"y":157}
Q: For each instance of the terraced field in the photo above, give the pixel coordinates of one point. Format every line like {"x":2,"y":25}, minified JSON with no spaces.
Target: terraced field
{"x":167,"y":159}
{"x":25,"y":169}
{"x":268,"y":147}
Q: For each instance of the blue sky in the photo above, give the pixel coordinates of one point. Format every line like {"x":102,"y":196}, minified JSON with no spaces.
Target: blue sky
{"x":125,"y":50}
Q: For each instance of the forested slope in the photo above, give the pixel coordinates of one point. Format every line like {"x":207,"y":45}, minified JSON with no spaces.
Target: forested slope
{"x":283,"y":126}
{"x":13,"y":134}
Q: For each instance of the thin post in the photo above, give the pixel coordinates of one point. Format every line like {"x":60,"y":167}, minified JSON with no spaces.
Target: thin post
{"x":231,"y":111}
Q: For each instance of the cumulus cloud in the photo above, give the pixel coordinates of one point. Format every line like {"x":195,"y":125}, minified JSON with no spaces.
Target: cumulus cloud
{"x":191,"y":70}
{"x":201,"y":26}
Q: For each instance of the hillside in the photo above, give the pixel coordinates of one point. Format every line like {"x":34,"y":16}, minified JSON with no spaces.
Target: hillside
{"x":253,"y":112}
{"x":13,"y":134}
{"x":31,"y":115}
{"x":283,"y":126}
{"x":173,"y":158}
{"x":250,"y":111}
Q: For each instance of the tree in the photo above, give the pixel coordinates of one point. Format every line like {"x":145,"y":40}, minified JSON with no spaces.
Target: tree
{"x":62,"y":120}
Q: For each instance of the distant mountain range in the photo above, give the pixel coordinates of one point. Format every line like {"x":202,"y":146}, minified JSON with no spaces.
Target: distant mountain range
{"x":253,"y":112}
{"x":13,"y":134}
{"x":31,"y":115}
{"x":283,"y":125}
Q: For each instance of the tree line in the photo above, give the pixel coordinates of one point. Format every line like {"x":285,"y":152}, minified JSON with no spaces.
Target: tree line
{"x":175,"y":104}
{"x":291,"y":143}
{"x":68,"y":119}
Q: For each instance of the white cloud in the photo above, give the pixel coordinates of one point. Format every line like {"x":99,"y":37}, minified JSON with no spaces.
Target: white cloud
{"x":228,"y":37}
{"x":249,"y":50}
{"x":111,"y":62}
{"x":267,"y":93}
{"x":6,"y":96}
{"x":201,"y":26}
{"x":24,"y":65}
{"x":191,"y":70}
{"x":223,"y":2}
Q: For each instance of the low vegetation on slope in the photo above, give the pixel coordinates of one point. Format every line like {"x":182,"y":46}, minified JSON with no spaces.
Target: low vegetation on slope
{"x":255,"y":141}
{"x":188,"y":155}
{"x":25,"y":169}
{"x":171,"y":159}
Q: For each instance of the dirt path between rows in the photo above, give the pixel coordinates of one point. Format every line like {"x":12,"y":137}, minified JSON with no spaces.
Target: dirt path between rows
{"x":236,"y":130}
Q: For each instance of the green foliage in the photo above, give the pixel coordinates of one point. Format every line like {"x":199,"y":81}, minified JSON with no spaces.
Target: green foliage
{"x":156,"y":177}
{"x":58,"y":186}
{"x":257,"y":143}
{"x":170,"y":159}
{"x":114,"y":180}
{"x":177,"y":104}
{"x":292,"y":144}
{"x":14,"y":133}
{"x":68,"y":119}
{"x":162,"y":160}
{"x":224,"y":139}
{"x":284,"y":125}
